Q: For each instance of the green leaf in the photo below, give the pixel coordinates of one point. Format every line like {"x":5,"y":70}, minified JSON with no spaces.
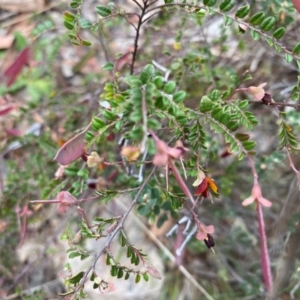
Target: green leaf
{"x":97,"y":123}
{"x":86,"y":43}
{"x":255,"y":35}
{"x":108,"y":67}
{"x":127,"y":276}
{"x":227,"y":5}
{"x":68,"y":25}
{"x":269,"y":41}
{"x":120,"y":273}
{"x":103,"y":11}
{"x":209,"y":3}
{"x":107,"y":114}
{"x":85,"y":24}
{"x":74,"y":4}
{"x":137,"y":278}
{"x":159,"y":81}
{"x":227,"y":20}
{"x":136,"y":116}
{"x":146,"y":277}
{"x":242,"y":12}
{"x":268,"y":23}
{"x":257,"y":18}
{"x":249,"y":145}
{"x":170,"y":87}
{"x":89,"y":136}
{"x":147,"y":73}
{"x":247,"y":77}
{"x":234,"y":79}
{"x":129,"y":251}
{"x":69,"y":17}
{"x":279,"y":33}
{"x":206,"y":104}
{"x":123,"y":240}
{"x":113,"y":271}
{"x":153,"y":124}
{"x":74,"y":254}
{"x":179,"y":96}
{"x":242,"y":136}
{"x":288,"y":58}
{"x":75,"y":279}
{"x":215,"y":95}
{"x":296,"y":49}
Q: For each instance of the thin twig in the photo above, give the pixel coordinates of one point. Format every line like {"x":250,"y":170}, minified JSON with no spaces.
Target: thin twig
{"x":111,"y":236}
{"x":168,"y":253}
{"x":137,"y":36}
{"x":297,"y":106}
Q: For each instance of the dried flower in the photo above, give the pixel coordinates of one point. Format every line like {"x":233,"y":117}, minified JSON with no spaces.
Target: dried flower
{"x":258,"y":92}
{"x":131,"y":153}
{"x":94,"y":160}
{"x":257,"y":196}
{"x":204,"y":231}
{"x":164,"y":152}
{"x":106,"y":287}
{"x":209,"y":241}
{"x":65,"y":200}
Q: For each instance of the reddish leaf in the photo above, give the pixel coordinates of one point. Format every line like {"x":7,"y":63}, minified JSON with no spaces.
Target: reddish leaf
{"x":7,"y":110}
{"x":13,"y":132}
{"x":153,"y":272}
{"x":122,"y":61}
{"x":16,"y":67}
{"x":71,"y":150}
{"x":297,"y":4}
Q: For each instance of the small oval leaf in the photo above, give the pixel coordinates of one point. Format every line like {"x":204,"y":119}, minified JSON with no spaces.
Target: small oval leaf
{"x":147,"y":73}
{"x":209,"y":3}
{"x":279,"y":33}
{"x":103,"y":11}
{"x":242,"y":12}
{"x":257,"y":18}
{"x":268,"y":23}
{"x":296,"y":49}
{"x":226,"y":5}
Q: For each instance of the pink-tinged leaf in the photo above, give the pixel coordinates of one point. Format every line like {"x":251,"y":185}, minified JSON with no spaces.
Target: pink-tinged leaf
{"x":71,"y":150}
{"x":297,"y":4}
{"x":13,"y":132}
{"x":13,"y":71}
{"x":153,"y":272}
{"x":7,"y":110}
{"x":122,"y":61}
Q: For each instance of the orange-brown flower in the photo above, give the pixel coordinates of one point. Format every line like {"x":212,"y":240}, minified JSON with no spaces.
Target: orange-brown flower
{"x":94,"y":159}
{"x":131,"y":153}
{"x":204,"y":185}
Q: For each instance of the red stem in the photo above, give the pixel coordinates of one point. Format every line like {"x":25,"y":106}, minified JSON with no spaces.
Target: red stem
{"x":265,"y":259}
{"x":181,"y":182}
